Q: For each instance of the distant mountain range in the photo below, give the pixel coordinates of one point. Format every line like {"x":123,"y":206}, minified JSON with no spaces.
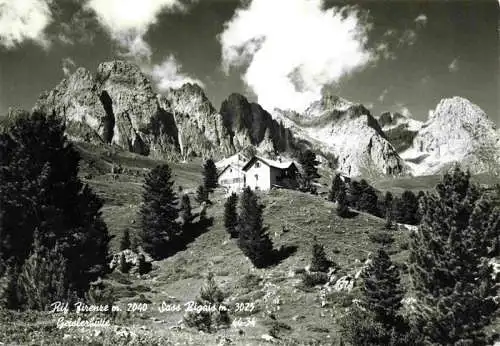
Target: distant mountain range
{"x":119,"y":105}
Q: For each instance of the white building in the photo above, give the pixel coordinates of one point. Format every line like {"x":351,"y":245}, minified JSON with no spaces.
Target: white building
{"x":257,"y":173}
{"x":263,"y":174}
{"x":232,"y":178}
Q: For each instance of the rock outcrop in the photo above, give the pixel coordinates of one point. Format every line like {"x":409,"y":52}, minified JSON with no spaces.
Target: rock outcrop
{"x":457,"y":132}
{"x":349,"y":132}
{"x":119,"y":106}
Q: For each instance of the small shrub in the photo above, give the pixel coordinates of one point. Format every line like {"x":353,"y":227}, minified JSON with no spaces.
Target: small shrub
{"x":314,"y":278}
{"x":383,"y":238}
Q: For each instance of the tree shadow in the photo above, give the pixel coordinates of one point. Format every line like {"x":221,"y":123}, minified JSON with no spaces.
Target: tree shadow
{"x":281,"y":254}
{"x":190,"y":232}
{"x":349,"y":214}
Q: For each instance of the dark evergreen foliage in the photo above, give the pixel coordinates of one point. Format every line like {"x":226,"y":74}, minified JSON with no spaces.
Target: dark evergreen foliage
{"x":209,"y":321}
{"x":253,"y":239}
{"x":319,"y":261}
{"x":185,"y":212}
{"x":342,"y":208}
{"x":231,"y":215}
{"x":40,"y":190}
{"x":209,"y":175}
{"x":307,"y":160}
{"x":449,"y":269}
{"x":125,"y":242}
{"x":201,"y":194}
{"x":368,"y":200}
{"x":124,"y":266}
{"x":406,"y":209}
{"x":159,"y":212}
{"x":337,"y":184}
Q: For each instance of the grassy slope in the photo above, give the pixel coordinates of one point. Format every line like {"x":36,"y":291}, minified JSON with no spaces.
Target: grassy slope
{"x":178,"y":279}
{"x":181,"y":275}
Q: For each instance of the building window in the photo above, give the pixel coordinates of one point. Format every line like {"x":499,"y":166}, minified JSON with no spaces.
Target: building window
{"x":257,"y":164}
{"x":256,"y":177}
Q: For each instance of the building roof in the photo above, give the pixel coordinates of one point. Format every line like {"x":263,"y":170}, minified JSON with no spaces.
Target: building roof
{"x":270,"y":163}
{"x":237,"y":160}
{"x":225,"y":168}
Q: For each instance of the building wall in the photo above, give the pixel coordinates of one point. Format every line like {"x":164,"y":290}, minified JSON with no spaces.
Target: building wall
{"x":232,"y":179}
{"x":258,"y":176}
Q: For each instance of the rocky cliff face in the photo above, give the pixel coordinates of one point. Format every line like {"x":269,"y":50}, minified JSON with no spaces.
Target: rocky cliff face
{"x":119,"y":106}
{"x":250,"y":125}
{"x":457,"y":132}
{"x":349,"y":132}
{"x":399,"y":129}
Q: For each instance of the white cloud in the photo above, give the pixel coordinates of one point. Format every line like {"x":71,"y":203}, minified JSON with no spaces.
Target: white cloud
{"x":421,"y":19}
{"x":382,"y":96}
{"x":22,"y":20}
{"x":454,"y":66}
{"x":168,"y":75}
{"x":293,"y":48}
{"x":406,"y":112}
{"x":127,"y":21}
{"x":409,"y":37}
{"x":68,"y":65}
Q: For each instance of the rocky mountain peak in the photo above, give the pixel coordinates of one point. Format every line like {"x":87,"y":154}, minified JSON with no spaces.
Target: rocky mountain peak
{"x":457,"y":131}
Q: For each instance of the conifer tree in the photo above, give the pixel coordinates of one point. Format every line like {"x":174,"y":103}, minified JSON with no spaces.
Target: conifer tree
{"x":44,"y":277}
{"x":449,"y":268}
{"x":201,"y":194}
{"x":185,"y":210}
{"x":210,"y":296}
{"x":319,"y":262}
{"x":342,"y":208}
{"x":253,"y":239}
{"x":159,"y":212}
{"x":368,"y":198}
{"x":406,"y":208}
{"x":125,"y":242}
{"x":209,"y":175}
{"x":231,"y":215}
{"x":336,"y":186}
{"x":388,"y":202}
{"x":309,"y":163}
{"x":382,"y":289}
{"x":45,"y":193}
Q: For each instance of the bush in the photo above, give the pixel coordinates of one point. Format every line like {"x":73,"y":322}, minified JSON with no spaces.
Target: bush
{"x":383,"y":238}
{"x":312,"y":279}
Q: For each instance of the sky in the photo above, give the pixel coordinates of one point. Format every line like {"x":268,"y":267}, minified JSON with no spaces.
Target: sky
{"x":400,"y":55}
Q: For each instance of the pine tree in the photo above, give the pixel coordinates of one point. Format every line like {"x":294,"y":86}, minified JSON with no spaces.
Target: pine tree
{"x":201,"y":194}
{"x":231,"y":215}
{"x":185,"y":210}
{"x":253,"y":239}
{"x":342,"y":209}
{"x":44,"y":277}
{"x":319,"y":262}
{"x":124,"y":266}
{"x":388,"y":202}
{"x":209,"y":176}
{"x":336,"y":186}
{"x":307,"y":160}
{"x":42,"y":191}
{"x":368,"y":198}
{"x":382,"y":289}
{"x":449,"y":268}
{"x":406,"y":209}
{"x":159,"y":212}
{"x":125,"y":243}
{"x":354,"y":191}
{"x":209,"y":321}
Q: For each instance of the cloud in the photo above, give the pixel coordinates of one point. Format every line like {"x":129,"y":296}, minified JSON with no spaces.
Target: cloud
{"x":68,"y":65}
{"x":409,"y":37}
{"x":454,"y":66}
{"x":22,"y":20}
{"x":128,"y":21}
{"x":291,"y":49}
{"x":406,"y":112}
{"x":80,"y":28}
{"x":167,"y":75}
{"x":382,"y":96}
{"x":421,"y":19}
